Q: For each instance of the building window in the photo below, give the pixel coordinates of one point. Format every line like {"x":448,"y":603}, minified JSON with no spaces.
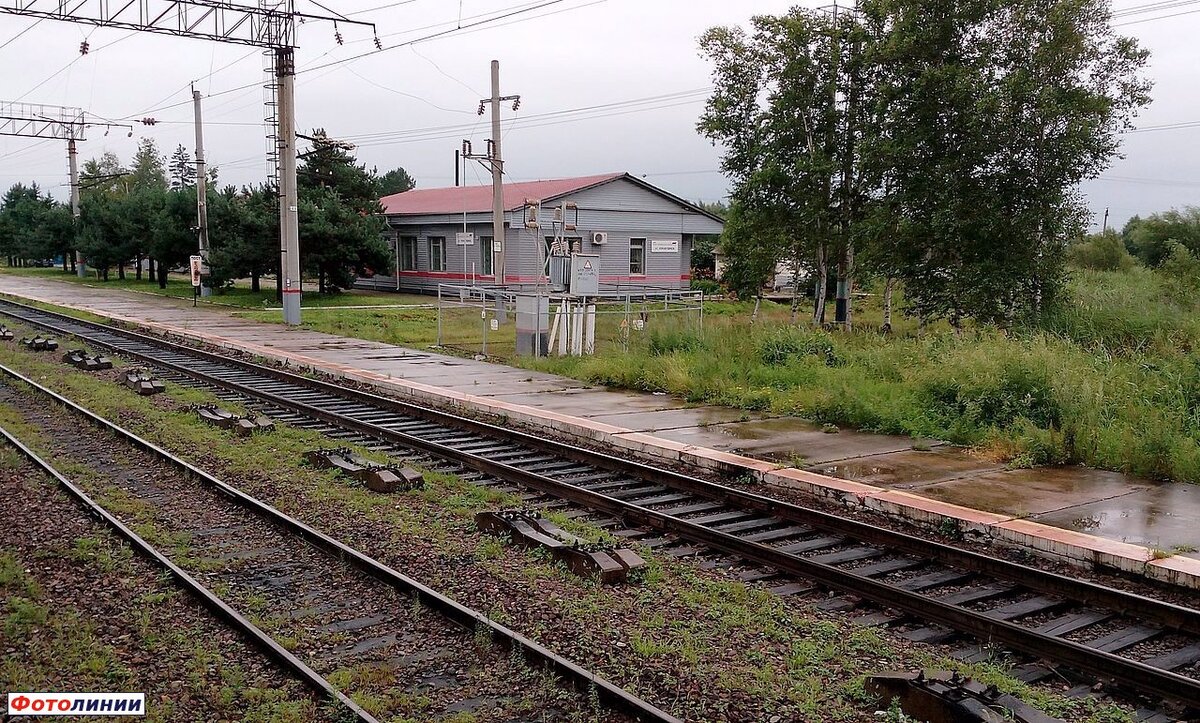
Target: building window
{"x":637,"y":257}
{"x":437,"y":253}
{"x":408,"y":253}
{"x":487,"y":262}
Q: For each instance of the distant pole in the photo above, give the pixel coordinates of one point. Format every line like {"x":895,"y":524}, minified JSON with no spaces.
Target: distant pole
{"x":497,"y":176}
{"x":1105,"y":221}
{"x":201,"y":191}
{"x":72,"y":159}
{"x":457,"y":166}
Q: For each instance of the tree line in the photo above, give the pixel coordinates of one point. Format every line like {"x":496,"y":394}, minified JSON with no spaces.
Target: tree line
{"x":918,"y":142}
{"x":144,"y":215}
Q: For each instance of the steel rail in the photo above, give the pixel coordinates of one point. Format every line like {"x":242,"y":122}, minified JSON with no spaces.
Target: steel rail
{"x":215,"y":604}
{"x":1130,"y":673}
{"x":582,"y":679}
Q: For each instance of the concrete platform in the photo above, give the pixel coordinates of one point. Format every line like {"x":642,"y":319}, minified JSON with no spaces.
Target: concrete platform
{"x":1081,"y":515}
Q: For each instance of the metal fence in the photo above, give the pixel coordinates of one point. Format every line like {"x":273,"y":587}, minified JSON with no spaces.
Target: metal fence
{"x":483,"y":320}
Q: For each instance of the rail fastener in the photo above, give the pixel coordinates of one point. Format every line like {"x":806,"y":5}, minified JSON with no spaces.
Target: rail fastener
{"x":608,"y":564}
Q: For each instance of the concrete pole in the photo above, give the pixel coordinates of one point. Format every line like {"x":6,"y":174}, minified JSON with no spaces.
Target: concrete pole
{"x":201,"y":193}
{"x":289,"y":222}
{"x":73,"y":160}
{"x":497,"y":178}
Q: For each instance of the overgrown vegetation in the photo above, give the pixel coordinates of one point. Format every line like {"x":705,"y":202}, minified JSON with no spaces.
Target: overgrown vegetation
{"x":1108,"y":377}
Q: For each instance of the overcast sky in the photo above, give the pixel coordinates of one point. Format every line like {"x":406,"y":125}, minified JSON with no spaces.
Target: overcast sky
{"x":411,"y":106}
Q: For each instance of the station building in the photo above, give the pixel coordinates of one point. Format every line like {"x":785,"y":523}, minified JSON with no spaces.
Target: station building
{"x":642,"y":234}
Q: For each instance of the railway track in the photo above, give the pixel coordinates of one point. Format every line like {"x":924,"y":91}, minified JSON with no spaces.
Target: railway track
{"x":1140,"y":645}
{"x":330,"y":612}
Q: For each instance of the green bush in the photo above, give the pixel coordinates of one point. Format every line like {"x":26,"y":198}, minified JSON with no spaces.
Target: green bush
{"x":670,"y":341}
{"x":1182,"y":270}
{"x":781,"y":345}
{"x":710,"y":287}
{"x":1101,"y":252}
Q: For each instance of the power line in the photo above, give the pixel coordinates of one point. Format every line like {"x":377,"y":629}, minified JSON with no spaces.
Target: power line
{"x":1161,"y":17}
{"x":11,"y":40}
{"x":1152,"y":7}
{"x":425,"y":38}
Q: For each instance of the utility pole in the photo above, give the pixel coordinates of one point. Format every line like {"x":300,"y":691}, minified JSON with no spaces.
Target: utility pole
{"x":73,"y":161}
{"x":497,"y":173}
{"x":1105,"y":221}
{"x":201,"y":192}
{"x":495,"y":158}
{"x":289,"y":219}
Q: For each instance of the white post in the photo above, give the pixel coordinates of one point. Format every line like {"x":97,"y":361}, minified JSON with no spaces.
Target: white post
{"x":589,"y":330}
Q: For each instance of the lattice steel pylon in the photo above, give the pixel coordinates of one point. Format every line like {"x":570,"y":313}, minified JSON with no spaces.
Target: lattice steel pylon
{"x":37,"y":120}
{"x":271,"y":25}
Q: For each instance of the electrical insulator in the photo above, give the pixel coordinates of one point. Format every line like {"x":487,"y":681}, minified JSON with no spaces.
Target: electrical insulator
{"x":378,"y":44}
{"x":481,"y":109}
{"x":517,"y":104}
{"x":83,"y":48}
{"x":149,"y":121}
{"x":337,"y":35}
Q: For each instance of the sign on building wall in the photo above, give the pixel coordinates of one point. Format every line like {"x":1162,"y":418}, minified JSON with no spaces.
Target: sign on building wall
{"x":464,"y":239}
{"x":664,"y":246}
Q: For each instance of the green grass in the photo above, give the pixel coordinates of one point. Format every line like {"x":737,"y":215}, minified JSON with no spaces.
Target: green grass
{"x":240,"y":295}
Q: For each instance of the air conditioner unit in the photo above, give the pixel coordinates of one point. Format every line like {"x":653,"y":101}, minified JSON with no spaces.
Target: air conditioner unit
{"x":600,"y":238}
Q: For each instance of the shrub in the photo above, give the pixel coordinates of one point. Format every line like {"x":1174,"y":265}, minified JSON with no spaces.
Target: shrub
{"x":779,"y":346}
{"x":710,"y":287}
{"x":1182,"y":270}
{"x":1101,"y":252}
{"x":669,"y":341}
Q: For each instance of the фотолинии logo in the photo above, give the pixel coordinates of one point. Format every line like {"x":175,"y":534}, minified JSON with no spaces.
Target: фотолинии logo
{"x":77,"y":704}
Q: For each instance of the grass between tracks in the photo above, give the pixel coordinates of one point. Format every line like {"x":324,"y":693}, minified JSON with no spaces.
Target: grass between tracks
{"x":697,"y":644}
{"x":80,"y":613}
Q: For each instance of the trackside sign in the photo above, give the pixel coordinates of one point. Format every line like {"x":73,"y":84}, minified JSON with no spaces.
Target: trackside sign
{"x":77,"y":704}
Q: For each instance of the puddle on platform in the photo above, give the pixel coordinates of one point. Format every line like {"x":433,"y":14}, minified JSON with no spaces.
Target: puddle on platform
{"x":1112,"y":505}
{"x":910,"y":469}
{"x":768,"y":428}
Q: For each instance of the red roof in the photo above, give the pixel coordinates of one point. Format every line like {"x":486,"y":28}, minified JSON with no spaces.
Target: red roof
{"x":478,"y":199}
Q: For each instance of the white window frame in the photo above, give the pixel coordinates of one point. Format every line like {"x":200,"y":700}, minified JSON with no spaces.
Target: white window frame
{"x":638,"y":244}
{"x":437,"y":262}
